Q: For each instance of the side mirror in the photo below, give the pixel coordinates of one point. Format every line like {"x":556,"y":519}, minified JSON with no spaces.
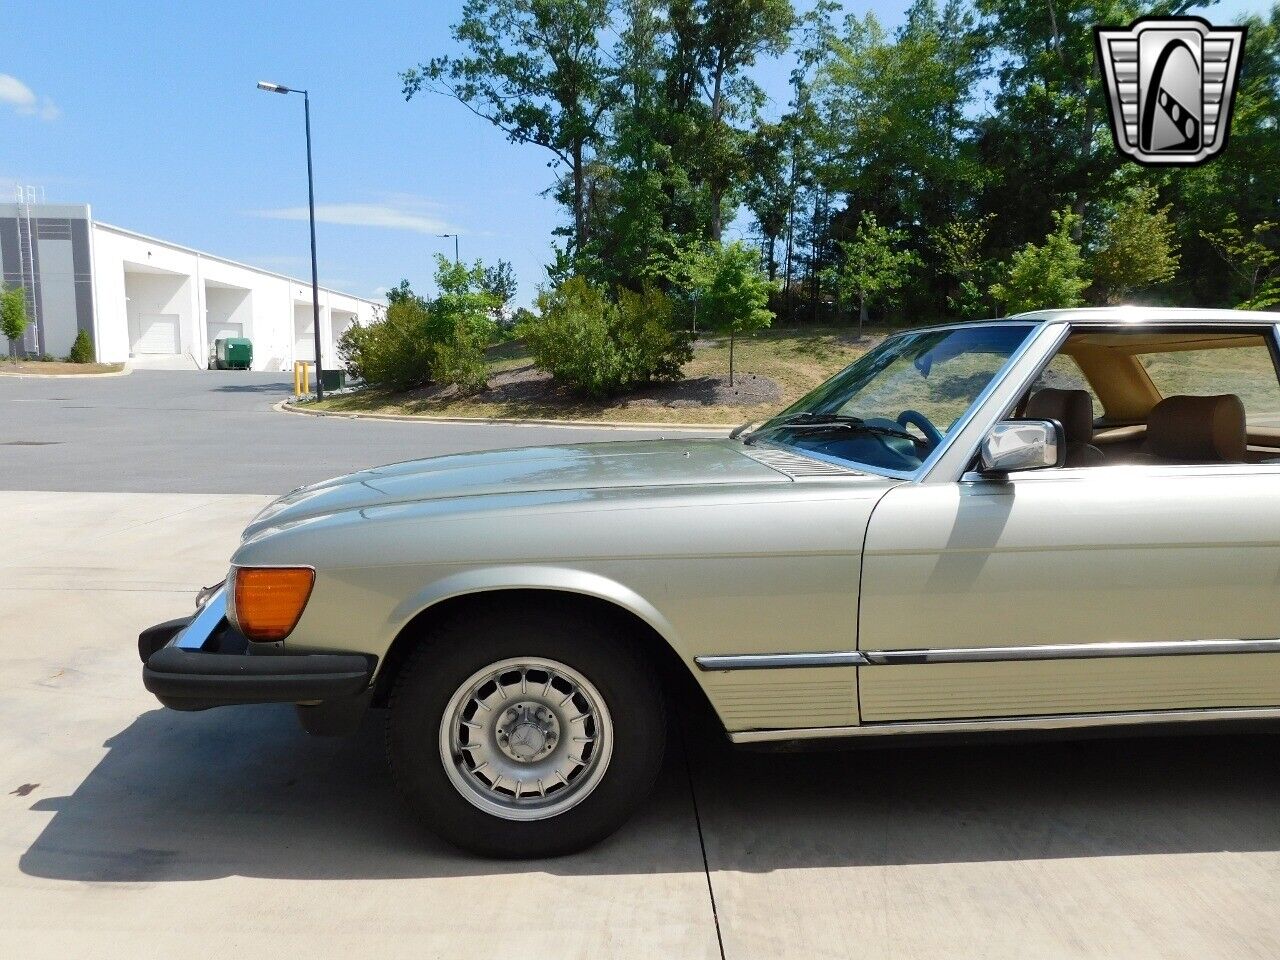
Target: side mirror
{"x":1014,"y":445}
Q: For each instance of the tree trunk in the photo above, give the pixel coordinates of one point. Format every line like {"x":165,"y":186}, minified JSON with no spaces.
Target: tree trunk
{"x":791,"y":232}
{"x":717,"y":187}
{"x":815,"y":266}
{"x":579,"y":200}
{"x":731,"y":356}
{"x":862,"y":312}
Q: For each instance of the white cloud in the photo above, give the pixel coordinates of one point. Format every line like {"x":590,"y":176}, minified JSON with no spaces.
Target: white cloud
{"x":24,"y":100}
{"x":401,"y":214}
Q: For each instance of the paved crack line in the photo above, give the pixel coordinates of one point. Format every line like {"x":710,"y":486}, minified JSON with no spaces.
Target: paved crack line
{"x":702,"y":843}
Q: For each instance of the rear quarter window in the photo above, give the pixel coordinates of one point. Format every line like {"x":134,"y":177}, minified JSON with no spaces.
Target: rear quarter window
{"x":1247,"y":371}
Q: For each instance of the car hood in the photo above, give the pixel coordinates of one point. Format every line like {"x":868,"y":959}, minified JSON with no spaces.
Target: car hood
{"x":646,"y":463}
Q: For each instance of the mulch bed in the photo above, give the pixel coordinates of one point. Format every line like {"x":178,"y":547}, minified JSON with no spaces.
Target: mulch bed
{"x":527,"y":386}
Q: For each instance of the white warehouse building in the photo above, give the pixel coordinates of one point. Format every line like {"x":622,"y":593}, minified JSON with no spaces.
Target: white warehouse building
{"x":153,"y":302}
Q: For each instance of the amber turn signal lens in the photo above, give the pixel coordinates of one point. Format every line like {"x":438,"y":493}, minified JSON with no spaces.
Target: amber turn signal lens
{"x":266,"y":602}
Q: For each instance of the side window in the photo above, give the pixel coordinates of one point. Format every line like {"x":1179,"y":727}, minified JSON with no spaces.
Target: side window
{"x":1063,"y":373}
{"x":1245,"y":370}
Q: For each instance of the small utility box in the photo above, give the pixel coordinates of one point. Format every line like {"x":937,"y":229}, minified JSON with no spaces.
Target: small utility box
{"x":232,"y":353}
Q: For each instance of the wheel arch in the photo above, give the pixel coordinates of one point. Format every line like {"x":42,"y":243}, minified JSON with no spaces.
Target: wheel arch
{"x":522,"y":588}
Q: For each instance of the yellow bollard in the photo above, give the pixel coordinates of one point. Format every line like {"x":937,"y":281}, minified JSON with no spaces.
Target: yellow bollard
{"x":301,"y":378}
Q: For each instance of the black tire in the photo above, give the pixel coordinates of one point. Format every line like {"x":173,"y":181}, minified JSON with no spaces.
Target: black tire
{"x":626,"y":681}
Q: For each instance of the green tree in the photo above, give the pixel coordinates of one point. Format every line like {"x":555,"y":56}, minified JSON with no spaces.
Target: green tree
{"x":894,"y":116}
{"x":1138,"y":248}
{"x":13,"y":316}
{"x":500,"y":282}
{"x":731,"y":292}
{"x":1048,"y":275}
{"x":731,"y":35}
{"x":535,"y":70}
{"x":874,"y":266}
{"x":460,"y":323}
{"x":960,"y":251}
{"x":1047,"y":143}
{"x":401,"y":292}
{"x":1251,"y":256}
{"x":1239,"y":185}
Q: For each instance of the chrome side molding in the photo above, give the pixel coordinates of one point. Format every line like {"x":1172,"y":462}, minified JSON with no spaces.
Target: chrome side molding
{"x":1050,"y":722}
{"x":1070,"y":651}
{"x":1052,"y":651}
{"x":781,"y":661}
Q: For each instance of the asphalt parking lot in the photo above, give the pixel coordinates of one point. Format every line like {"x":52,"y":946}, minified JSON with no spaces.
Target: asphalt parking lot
{"x":186,"y":431}
{"x":127,"y":831}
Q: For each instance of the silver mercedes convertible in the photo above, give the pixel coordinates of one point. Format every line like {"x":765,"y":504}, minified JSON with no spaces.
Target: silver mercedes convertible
{"x":1061,"y":520}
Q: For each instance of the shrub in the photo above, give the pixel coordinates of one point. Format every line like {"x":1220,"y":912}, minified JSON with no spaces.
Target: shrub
{"x":599,"y":347}
{"x":652,"y":347}
{"x":419,"y":341}
{"x":392,"y":352}
{"x":570,"y":340}
{"x":82,"y":348}
{"x":1049,"y":275}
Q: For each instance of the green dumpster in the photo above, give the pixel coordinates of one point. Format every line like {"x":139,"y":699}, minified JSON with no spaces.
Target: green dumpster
{"x":335,"y":379}
{"x":233,"y":353}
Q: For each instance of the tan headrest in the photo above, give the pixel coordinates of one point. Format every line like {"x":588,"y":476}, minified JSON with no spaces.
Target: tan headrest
{"x":1071,"y":408}
{"x":1198,"y":429}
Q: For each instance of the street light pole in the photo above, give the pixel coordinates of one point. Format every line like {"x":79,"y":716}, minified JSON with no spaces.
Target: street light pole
{"x":446,"y":236}
{"x":311,"y":211}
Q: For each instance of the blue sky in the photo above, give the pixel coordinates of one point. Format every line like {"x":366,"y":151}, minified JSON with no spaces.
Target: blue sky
{"x":152,"y":116}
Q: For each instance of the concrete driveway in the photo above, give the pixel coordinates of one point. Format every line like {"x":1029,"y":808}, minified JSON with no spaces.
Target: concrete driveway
{"x":127,"y":831}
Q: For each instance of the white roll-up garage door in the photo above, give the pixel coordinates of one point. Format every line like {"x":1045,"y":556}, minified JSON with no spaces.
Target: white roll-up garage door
{"x":157,"y":333}
{"x":305,"y":346}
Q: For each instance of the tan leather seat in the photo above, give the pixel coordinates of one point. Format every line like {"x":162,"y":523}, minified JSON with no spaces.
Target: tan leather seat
{"x":1186,"y":429}
{"x":1074,"y":410}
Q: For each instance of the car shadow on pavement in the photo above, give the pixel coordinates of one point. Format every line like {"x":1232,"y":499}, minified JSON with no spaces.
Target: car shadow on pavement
{"x":243,"y":792}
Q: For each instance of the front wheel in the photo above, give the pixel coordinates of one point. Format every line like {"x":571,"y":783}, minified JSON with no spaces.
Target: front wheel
{"x":527,"y":736}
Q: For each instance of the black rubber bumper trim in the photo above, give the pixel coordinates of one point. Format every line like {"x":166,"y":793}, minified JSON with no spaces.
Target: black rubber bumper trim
{"x":192,"y":680}
{"x":153,"y":638}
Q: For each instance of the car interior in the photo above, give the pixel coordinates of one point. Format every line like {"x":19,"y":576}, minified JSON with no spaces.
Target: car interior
{"x":1162,"y":397}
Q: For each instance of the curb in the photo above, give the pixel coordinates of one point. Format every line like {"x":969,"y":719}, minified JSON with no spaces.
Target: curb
{"x":67,"y":376}
{"x":285,"y":406}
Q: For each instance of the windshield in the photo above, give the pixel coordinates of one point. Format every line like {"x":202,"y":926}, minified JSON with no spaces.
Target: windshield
{"x":893,"y":406}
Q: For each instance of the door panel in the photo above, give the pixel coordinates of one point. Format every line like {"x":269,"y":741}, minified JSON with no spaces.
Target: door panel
{"x":158,"y":333}
{"x":1131,"y":554}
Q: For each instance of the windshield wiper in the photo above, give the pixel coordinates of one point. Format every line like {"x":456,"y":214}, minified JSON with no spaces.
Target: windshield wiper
{"x":836,"y":421}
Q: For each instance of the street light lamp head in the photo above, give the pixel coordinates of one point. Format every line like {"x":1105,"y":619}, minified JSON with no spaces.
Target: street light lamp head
{"x":272,"y":87}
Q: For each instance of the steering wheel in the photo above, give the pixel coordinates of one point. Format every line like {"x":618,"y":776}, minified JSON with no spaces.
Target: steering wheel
{"x":917,"y":419}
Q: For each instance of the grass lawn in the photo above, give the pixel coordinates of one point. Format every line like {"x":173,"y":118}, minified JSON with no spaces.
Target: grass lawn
{"x":56,"y":367}
{"x":771,"y":369}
